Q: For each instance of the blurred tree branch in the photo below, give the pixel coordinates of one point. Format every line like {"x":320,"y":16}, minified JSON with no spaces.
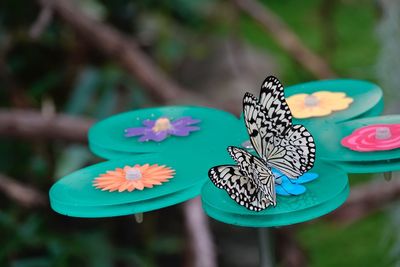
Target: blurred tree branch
{"x":127,"y":53}
{"x":24,"y":195}
{"x":199,"y":234}
{"x":286,"y":38}
{"x":32,"y":124}
{"x":42,"y":21}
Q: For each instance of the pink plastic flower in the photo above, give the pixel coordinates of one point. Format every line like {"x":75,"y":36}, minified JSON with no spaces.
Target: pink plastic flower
{"x":377,"y":137}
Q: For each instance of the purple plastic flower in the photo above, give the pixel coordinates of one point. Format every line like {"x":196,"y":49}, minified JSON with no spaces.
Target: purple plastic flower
{"x":159,"y":129}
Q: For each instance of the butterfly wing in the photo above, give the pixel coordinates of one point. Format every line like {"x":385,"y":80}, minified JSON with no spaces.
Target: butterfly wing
{"x":294,"y":153}
{"x":272,"y":99}
{"x":251,"y":166}
{"x":259,"y":127}
{"x":251,"y":183}
{"x":239,"y":187}
{"x":290,"y":149}
{"x":258,"y":172}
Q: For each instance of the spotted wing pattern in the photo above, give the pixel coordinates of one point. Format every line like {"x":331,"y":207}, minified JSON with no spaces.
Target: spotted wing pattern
{"x":250,"y":183}
{"x":259,"y":127}
{"x":293,"y":154}
{"x":289,"y":148}
{"x":272,"y":98}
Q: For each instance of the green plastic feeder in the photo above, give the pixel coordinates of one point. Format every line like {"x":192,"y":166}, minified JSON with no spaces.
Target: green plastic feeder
{"x":328,"y":140}
{"x":74,"y":195}
{"x":367,"y":99}
{"x":217,"y":129}
{"x":323,"y":195}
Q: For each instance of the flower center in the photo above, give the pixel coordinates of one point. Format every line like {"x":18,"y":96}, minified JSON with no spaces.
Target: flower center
{"x":133,"y":174}
{"x":311,"y":101}
{"x":162,"y":124}
{"x":383,"y":133}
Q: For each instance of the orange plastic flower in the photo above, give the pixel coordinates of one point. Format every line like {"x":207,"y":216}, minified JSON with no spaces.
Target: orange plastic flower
{"x":318,"y":104}
{"x":131,"y":178}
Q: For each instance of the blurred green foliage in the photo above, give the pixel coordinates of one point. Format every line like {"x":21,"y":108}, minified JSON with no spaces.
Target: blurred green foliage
{"x":347,"y":245}
{"x":65,"y":71}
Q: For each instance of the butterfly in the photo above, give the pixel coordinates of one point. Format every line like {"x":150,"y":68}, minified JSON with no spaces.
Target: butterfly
{"x":250,"y":183}
{"x":281,"y":145}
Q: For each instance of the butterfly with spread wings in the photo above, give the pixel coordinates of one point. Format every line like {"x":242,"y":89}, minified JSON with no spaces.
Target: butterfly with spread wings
{"x":281,"y":145}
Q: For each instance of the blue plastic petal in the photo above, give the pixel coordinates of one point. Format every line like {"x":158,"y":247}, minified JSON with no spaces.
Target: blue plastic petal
{"x":280,"y":191}
{"x":287,"y":187}
{"x":305,"y":178}
{"x":293,"y":189}
{"x":276,"y":172}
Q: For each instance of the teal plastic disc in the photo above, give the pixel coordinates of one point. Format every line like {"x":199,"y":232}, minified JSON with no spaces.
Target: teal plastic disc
{"x":75,"y":195}
{"x":323,"y":195}
{"x":375,"y":111}
{"x":366,"y":96}
{"x":126,"y":209}
{"x":369,"y":166}
{"x":110,"y":153}
{"x":328,"y":141}
{"x":217,"y":128}
{"x":279,"y":220}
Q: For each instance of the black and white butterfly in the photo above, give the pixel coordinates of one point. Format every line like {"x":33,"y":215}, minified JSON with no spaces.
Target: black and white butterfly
{"x":281,"y":145}
{"x":286,"y":147}
{"x":250,"y":183}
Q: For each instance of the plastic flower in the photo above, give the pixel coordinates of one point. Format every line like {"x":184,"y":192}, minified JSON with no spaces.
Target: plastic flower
{"x":318,"y":104}
{"x":377,"y":137}
{"x":131,"y":178}
{"x":287,"y":187}
{"x":159,"y":129}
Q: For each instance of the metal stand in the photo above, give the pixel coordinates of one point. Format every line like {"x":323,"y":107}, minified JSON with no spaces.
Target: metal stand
{"x":265,"y":248}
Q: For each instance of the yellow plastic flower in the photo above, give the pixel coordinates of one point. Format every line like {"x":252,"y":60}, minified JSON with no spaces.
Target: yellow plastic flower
{"x":318,"y":104}
{"x":131,"y":178}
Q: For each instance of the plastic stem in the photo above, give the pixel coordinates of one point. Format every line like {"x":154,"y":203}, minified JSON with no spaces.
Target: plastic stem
{"x":387,"y":176}
{"x":139,"y":217}
{"x":265,"y":248}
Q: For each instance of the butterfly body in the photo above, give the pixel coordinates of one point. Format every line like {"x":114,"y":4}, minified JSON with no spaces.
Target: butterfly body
{"x":279,"y":144}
